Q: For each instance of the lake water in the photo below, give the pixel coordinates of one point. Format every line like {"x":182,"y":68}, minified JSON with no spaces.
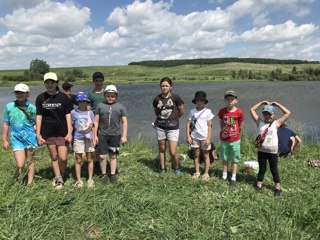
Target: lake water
{"x":301,"y":98}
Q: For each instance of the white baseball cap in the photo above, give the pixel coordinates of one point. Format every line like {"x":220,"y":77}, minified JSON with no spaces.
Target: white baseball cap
{"x":111,"y":88}
{"x":50,"y":76}
{"x":21,"y":87}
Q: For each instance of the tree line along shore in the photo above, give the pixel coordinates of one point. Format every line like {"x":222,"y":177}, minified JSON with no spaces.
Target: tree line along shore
{"x":185,"y":70}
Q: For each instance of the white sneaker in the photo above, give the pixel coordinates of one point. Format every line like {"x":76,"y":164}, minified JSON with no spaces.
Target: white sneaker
{"x":196,"y":175}
{"x":78,"y":184}
{"x":90,"y":183}
{"x":206,"y":177}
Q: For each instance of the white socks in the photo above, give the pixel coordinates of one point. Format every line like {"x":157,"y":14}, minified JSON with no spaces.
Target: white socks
{"x":225,"y":175}
{"x":233,"y":177}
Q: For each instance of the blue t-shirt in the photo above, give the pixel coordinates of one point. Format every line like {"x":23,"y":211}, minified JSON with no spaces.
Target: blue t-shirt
{"x":284,"y":135}
{"x":82,"y":122}
{"x":22,"y":132}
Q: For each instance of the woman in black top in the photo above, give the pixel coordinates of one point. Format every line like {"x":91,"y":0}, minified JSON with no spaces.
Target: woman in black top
{"x":54,"y":127}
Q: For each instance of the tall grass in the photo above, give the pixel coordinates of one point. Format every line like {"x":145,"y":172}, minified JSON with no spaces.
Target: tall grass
{"x":143,"y":206}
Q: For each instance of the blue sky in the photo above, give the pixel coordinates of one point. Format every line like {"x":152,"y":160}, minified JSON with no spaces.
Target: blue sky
{"x":116,"y":32}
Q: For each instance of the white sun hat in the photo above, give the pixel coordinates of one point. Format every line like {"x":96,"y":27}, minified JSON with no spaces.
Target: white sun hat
{"x":21,"y":87}
{"x":111,"y":88}
{"x":50,"y":76}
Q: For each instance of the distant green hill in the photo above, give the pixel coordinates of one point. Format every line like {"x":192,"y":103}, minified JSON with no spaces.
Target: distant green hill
{"x":229,"y":71}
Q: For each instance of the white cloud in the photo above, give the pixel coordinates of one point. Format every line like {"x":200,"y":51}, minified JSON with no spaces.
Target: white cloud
{"x":59,"y":32}
{"x":201,"y":40}
{"x":14,"y":39}
{"x":216,"y":20}
{"x":297,"y":7}
{"x":52,"y":19}
{"x":281,"y":32}
{"x":142,"y":18}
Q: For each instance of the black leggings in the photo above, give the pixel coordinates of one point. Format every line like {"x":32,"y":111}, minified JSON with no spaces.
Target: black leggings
{"x":273,"y":162}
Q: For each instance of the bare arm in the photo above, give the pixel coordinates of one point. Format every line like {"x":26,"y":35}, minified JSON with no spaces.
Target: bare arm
{"x":70,"y":128}
{"x":5,"y":131}
{"x":95,"y":129}
{"x":208,"y":140}
{"x":41,"y":141}
{"x":124,"y":130}
{"x":253,"y":110}
{"x":296,"y":141}
{"x":180,"y":110}
{"x":285,"y":116}
{"x":189,"y":140}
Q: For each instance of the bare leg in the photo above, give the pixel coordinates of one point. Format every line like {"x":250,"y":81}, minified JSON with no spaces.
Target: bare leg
{"x":173,"y":153}
{"x":113,"y":163}
{"x":21,"y":156}
{"x":234,"y":168}
{"x":78,"y":166}
{"x":90,"y":165}
{"x":31,"y":165}
{"x":63,"y":155}
{"x":196,"y":154}
{"x":103,"y":164}
{"x":54,"y":158}
{"x":225,"y":167}
{"x":162,"y":153}
{"x":206,"y":162}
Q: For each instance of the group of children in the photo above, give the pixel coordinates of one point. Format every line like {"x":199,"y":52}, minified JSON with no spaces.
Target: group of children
{"x":168,"y":108}
{"x":231,"y":120}
{"x":99,"y":124}
{"x":55,"y":122}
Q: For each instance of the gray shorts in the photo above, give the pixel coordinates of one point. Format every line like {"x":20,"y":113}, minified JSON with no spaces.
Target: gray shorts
{"x":170,"y":135}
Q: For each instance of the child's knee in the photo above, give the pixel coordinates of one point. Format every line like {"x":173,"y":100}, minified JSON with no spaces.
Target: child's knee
{"x":20,"y":165}
{"x":113,"y":157}
{"x":89,"y":159}
{"x":102,"y":158}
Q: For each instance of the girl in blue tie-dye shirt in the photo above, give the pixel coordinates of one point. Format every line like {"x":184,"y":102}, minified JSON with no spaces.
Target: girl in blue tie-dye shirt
{"x":19,"y":120}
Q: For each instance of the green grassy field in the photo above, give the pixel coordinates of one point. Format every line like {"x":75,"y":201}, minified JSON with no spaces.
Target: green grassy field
{"x":183,"y":73}
{"x":143,"y":206}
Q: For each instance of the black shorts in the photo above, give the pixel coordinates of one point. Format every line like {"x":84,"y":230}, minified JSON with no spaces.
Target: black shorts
{"x":108,"y":144}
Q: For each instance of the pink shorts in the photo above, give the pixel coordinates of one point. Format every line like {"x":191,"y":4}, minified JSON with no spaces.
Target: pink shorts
{"x":58,"y":141}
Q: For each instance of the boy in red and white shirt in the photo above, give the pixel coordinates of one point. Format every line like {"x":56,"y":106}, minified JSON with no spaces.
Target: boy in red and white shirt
{"x":231,"y":121}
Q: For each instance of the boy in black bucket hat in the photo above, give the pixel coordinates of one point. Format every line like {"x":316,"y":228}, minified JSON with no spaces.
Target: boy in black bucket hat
{"x":198,"y":131}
